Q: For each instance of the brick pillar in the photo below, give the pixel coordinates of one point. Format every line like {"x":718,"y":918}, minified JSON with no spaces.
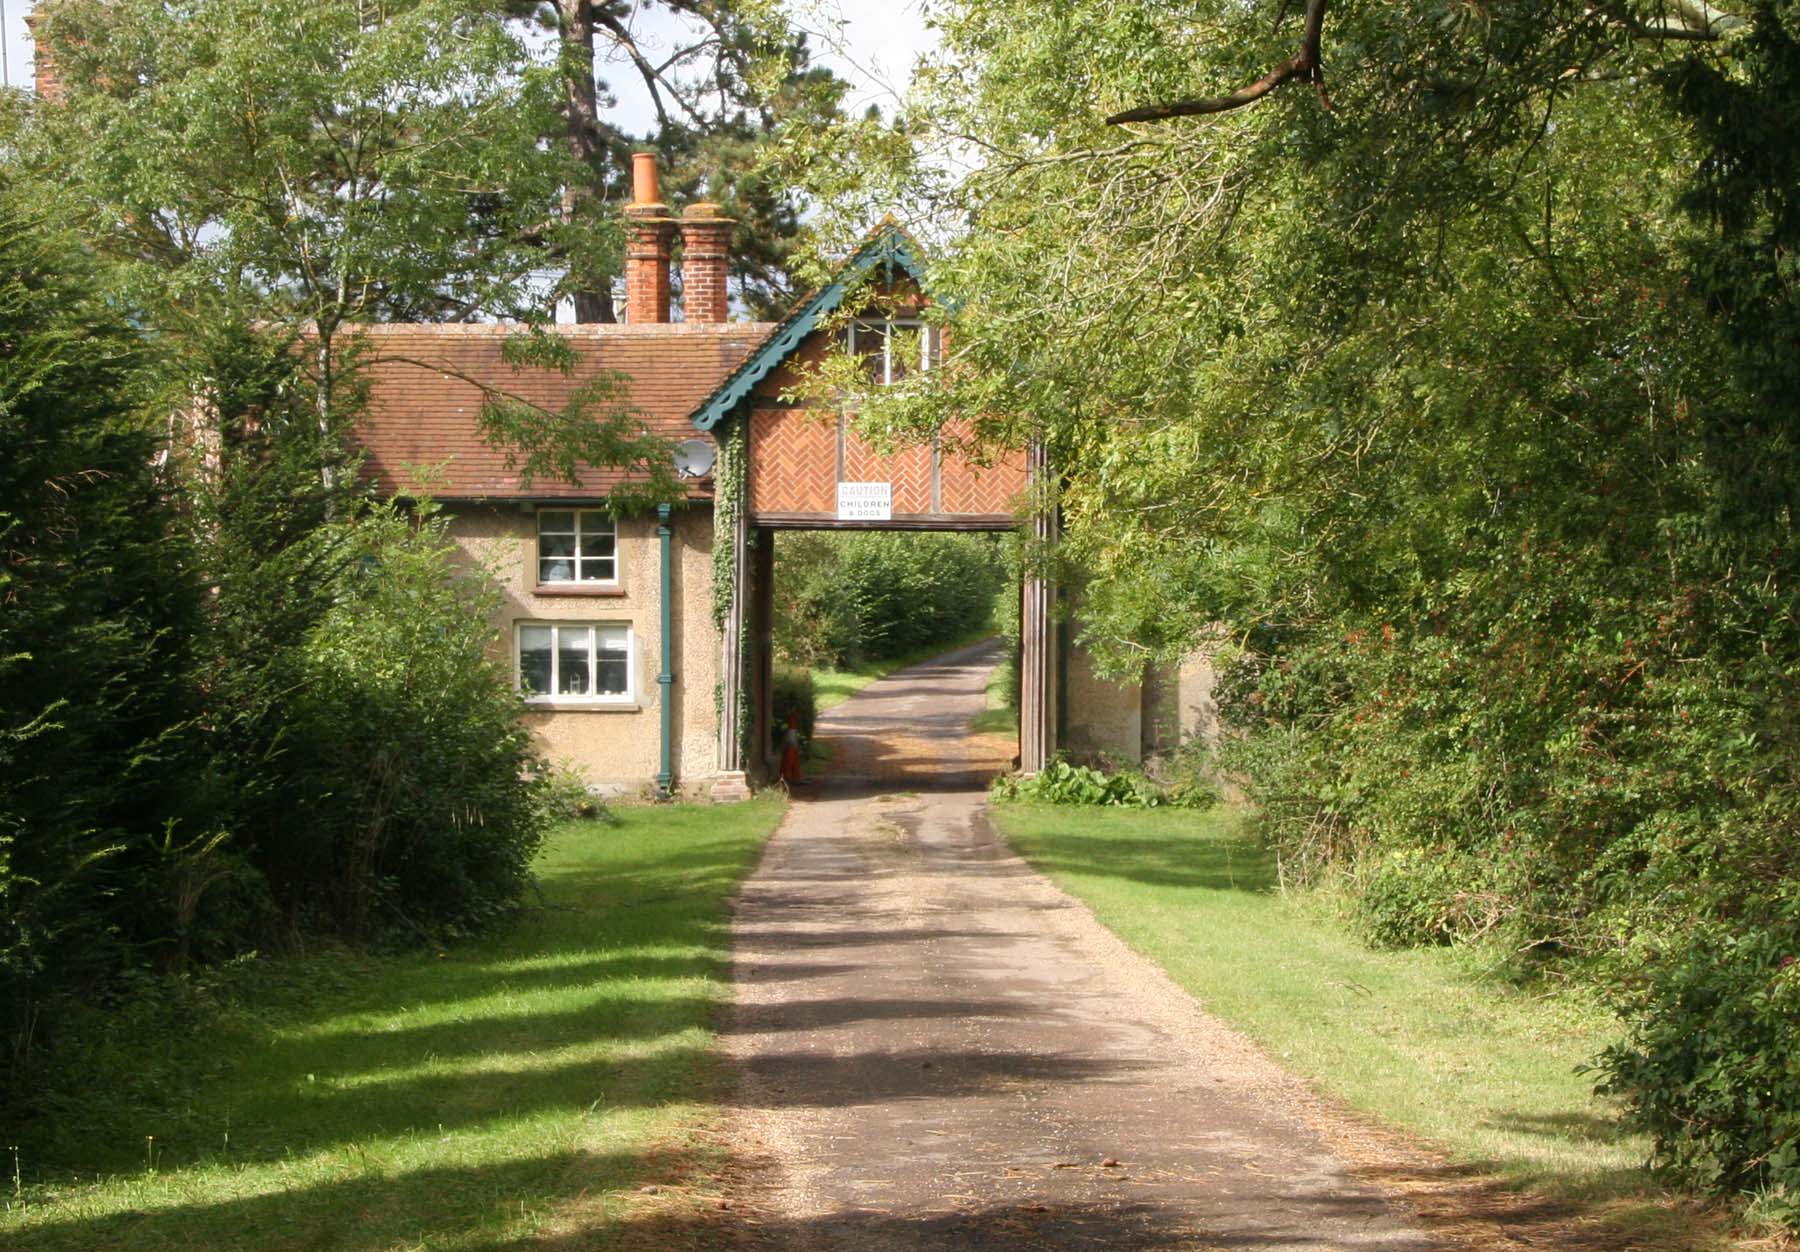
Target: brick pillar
{"x":649,"y":234}
{"x":705,"y":249}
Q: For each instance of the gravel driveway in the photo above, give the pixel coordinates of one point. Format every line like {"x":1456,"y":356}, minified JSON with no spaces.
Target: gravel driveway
{"x":942,"y":1050}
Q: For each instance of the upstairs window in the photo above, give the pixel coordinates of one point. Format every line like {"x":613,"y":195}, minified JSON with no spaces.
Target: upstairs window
{"x":892,"y":347}
{"x":575,"y":662}
{"x":577,"y":546}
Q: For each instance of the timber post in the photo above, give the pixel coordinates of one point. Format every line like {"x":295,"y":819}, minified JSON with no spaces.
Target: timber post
{"x":1038,"y":681}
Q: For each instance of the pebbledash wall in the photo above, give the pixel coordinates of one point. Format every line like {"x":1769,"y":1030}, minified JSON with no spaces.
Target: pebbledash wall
{"x":613,"y":746}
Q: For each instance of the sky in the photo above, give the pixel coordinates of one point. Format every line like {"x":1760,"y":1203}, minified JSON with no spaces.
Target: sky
{"x":871,"y":43}
{"x":876,"y":46}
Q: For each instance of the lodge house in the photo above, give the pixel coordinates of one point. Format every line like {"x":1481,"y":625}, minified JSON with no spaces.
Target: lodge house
{"x":636,"y":672}
{"x":629,"y":673}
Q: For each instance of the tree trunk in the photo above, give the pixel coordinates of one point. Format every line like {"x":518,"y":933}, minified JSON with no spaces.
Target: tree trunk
{"x":575,"y":19}
{"x":322,"y":411}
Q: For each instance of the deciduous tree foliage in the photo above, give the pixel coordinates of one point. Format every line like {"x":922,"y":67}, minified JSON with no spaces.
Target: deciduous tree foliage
{"x":1458,"y":398}
{"x":844,"y":598}
{"x":305,"y":165}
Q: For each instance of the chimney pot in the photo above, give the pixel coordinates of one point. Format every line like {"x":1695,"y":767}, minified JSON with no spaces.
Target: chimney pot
{"x":644,"y":189}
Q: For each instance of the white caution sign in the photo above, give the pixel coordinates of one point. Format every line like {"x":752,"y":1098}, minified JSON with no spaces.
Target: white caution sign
{"x":865,"y":502}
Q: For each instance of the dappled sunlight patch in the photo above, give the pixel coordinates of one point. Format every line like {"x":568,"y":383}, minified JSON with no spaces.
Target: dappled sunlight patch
{"x":525,"y":1009}
{"x":568,"y":1060}
{"x":579,"y":961}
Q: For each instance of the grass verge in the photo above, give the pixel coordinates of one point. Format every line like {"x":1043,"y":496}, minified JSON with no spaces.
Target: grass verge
{"x":1000,"y":717}
{"x":476,"y":1097}
{"x":834,"y":686}
{"x":1426,"y":1041}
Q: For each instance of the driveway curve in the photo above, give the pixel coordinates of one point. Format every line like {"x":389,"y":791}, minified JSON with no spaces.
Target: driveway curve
{"x":939,"y":1049}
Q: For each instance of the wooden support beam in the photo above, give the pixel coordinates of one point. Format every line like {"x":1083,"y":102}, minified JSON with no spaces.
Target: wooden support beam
{"x":1037,"y":638}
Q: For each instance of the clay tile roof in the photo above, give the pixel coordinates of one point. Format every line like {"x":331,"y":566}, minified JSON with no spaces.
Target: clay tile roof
{"x":422,"y":406}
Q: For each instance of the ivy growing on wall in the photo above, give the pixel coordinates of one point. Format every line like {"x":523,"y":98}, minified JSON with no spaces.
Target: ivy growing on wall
{"x":728,"y":505}
{"x":729,"y":502}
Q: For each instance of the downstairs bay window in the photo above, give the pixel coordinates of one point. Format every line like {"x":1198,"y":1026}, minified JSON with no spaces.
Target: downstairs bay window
{"x":563,"y":662}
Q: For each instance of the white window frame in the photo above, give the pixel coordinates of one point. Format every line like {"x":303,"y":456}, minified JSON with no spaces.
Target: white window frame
{"x":628,"y":697}
{"x":885,"y":328}
{"x":576,"y":560}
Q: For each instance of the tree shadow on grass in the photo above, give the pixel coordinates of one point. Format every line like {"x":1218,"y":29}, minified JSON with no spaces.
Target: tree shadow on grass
{"x":591,"y":1002}
{"x":1579,"y":1127}
{"x":421,"y":1208}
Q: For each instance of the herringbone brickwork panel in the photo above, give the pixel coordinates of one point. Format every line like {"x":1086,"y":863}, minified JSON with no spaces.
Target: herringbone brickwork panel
{"x":794,"y":469}
{"x":991,"y":489}
{"x":909,"y":469}
{"x":793,"y":462}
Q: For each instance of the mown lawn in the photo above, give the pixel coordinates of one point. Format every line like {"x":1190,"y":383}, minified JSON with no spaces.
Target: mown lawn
{"x":1429,"y":1041}
{"x":467,"y":1098}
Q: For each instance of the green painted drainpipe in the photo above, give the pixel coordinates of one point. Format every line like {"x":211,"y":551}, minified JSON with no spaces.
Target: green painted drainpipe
{"x":665,"y":532}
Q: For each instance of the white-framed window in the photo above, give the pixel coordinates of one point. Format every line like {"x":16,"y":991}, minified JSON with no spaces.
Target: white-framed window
{"x":893,"y":346}
{"x":577,"y":546}
{"x":575,"y":661}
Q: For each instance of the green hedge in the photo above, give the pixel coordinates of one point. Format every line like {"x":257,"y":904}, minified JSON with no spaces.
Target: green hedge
{"x":847,"y":597}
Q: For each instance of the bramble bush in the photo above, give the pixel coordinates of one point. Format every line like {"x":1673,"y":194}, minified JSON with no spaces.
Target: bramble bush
{"x":1708,"y":1065}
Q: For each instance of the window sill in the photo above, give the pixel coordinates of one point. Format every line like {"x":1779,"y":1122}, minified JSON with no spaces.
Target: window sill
{"x":583,"y":706}
{"x":577,"y":589}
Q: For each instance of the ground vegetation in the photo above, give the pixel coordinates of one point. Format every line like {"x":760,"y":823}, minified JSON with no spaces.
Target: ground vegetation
{"x":1435,"y":1041}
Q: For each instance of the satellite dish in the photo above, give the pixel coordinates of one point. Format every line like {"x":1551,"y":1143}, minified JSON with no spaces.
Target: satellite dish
{"x":694,"y":458}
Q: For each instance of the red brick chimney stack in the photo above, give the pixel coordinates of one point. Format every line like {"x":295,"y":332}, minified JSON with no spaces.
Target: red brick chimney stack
{"x":45,"y":80}
{"x":705,"y":247}
{"x":649,"y":234}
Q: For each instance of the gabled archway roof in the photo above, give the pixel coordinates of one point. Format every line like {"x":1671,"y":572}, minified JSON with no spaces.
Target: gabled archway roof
{"x":887,"y":244}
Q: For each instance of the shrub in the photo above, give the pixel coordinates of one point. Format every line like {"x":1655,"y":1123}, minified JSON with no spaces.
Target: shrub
{"x":1413,"y":897}
{"x":1708,"y":1066}
{"x":404,"y":761}
{"x":792,"y":692}
{"x":563,"y":795}
{"x":1063,"y":783}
